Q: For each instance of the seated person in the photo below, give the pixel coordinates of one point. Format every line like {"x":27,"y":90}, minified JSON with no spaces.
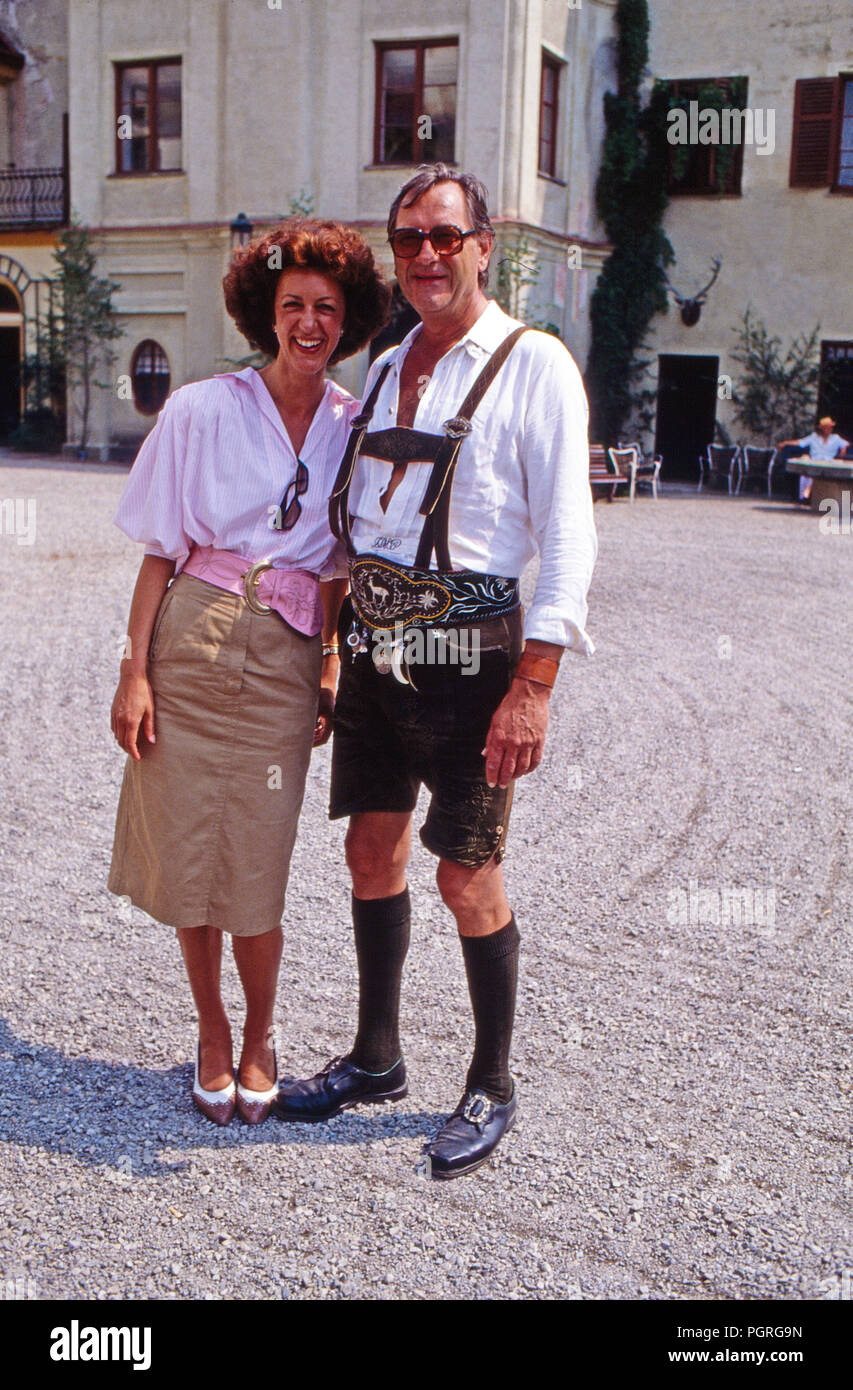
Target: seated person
{"x":822,"y":444}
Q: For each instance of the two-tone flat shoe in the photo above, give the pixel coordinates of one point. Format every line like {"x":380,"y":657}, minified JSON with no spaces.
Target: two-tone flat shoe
{"x":254,"y":1107}
{"x":218,"y":1106}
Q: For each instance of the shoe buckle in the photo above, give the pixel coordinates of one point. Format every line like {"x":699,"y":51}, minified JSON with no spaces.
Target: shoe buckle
{"x":478,"y":1109}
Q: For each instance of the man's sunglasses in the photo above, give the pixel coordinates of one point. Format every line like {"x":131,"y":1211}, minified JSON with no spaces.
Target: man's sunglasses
{"x":446,"y":240}
{"x":291,"y":508}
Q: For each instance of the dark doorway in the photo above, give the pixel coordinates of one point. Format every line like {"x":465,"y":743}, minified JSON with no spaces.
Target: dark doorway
{"x":835,"y":392}
{"x":403,"y":319}
{"x":686,"y":411}
{"x":10,"y":380}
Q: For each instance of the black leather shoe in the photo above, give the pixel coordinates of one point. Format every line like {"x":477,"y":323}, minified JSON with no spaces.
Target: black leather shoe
{"x":470,"y":1136}
{"x":337,"y":1087}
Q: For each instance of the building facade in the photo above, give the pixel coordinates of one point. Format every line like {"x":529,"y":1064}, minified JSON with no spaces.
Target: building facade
{"x":784,"y":221}
{"x":184,"y":114}
{"x":33,"y":183}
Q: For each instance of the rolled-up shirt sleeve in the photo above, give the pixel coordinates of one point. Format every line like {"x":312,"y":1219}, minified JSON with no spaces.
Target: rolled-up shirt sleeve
{"x":555,"y":457}
{"x":151,"y":507}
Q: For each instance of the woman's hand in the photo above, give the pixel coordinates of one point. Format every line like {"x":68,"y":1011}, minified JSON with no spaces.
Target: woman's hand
{"x":133,"y":706}
{"x":325,"y":716}
{"x":132,"y":709}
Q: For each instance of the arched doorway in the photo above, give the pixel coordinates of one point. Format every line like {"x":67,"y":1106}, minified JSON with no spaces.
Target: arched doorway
{"x":11,"y":353}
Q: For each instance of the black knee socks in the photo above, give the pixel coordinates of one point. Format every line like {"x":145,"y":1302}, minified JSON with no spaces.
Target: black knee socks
{"x":381,"y":942}
{"x":491,"y":964}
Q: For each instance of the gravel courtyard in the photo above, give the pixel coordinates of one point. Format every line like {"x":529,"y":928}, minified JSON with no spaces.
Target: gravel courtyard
{"x":681,"y":871}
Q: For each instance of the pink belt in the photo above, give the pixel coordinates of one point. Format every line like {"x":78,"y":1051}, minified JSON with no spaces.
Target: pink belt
{"x":294,"y":594}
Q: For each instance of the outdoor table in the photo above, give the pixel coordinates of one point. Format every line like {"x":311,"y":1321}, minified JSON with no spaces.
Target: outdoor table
{"x":830,"y":477}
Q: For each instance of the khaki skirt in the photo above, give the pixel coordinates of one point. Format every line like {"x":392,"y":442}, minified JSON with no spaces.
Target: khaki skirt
{"x":207,"y":819}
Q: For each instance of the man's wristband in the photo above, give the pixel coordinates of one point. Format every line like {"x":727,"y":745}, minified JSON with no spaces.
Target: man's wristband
{"x":330,"y":649}
{"x":542,"y":669}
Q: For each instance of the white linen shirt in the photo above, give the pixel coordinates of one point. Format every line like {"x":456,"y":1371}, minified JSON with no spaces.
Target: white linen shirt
{"x":522,"y":477}
{"x":823,"y":450}
{"x":214,"y":470}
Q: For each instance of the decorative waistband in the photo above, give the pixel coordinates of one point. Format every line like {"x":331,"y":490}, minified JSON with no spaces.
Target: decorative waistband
{"x":293,"y":594}
{"x":385,"y":594}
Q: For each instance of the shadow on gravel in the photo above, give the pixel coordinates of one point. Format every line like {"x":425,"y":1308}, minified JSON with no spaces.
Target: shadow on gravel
{"x":793,"y":509}
{"x":114,"y":1115}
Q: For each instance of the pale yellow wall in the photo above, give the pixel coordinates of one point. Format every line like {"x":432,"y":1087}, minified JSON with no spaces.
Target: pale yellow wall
{"x":276,"y":101}
{"x":32,"y":250}
{"x":279,"y":101}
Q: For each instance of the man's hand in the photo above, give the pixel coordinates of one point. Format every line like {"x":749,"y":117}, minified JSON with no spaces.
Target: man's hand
{"x":325,"y":714}
{"x":516,"y":735}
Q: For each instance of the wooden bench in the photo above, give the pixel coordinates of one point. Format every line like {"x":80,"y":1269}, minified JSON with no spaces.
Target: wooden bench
{"x":604,"y":476}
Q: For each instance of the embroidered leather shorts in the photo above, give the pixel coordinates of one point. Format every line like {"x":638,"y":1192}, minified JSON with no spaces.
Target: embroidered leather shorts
{"x":390,"y":738}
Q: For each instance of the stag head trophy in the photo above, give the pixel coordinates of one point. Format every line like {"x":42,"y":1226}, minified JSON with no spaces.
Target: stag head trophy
{"x":692,"y":308}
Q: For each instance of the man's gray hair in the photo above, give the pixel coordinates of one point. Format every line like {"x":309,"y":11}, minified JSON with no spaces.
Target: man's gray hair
{"x":476,"y":198}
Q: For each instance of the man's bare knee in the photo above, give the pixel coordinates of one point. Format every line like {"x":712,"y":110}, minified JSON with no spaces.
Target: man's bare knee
{"x":377,"y":852}
{"x":475,"y":896}
{"x":457,"y":885}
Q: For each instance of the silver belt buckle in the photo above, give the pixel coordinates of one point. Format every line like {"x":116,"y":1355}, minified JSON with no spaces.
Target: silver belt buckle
{"x":250,"y":587}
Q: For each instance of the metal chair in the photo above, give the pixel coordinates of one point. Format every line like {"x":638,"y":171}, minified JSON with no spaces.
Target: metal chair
{"x":604,"y":476}
{"x":644,"y":469}
{"x":757,"y":467}
{"x":719,"y":461}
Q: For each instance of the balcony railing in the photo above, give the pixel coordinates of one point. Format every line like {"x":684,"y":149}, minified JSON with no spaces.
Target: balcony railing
{"x":33,"y":198}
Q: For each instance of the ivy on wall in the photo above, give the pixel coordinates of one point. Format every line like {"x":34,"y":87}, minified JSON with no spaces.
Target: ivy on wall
{"x":631,"y":199}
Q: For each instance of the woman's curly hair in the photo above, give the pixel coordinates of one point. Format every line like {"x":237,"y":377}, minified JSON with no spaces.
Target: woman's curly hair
{"x":332,"y":249}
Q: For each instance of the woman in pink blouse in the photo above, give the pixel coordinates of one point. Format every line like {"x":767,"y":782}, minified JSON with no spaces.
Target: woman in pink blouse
{"x":226,"y":682}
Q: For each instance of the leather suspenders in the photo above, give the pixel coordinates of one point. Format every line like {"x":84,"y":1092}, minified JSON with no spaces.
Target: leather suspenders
{"x":339,"y":517}
{"x":444,"y":451}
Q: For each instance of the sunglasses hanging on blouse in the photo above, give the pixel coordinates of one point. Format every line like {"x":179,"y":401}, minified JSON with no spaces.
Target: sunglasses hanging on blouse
{"x":290,"y":509}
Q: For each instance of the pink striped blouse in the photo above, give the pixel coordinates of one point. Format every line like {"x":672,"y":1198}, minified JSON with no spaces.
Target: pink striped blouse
{"x":216,"y":466}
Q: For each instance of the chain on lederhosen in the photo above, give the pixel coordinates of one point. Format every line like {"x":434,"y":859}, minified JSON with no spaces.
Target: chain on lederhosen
{"x":388,"y":595}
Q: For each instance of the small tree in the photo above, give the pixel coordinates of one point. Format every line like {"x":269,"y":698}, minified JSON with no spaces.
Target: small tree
{"x":775,"y":394}
{"x":518,"y":272}
{"x":301,"y":204}
{"x":88,"y":322}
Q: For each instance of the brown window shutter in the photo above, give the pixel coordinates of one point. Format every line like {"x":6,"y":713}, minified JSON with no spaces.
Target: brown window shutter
{"x":816,"y":115}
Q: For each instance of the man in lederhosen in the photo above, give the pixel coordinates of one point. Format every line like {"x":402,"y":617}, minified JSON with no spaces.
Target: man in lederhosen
{"x":469,"y":456}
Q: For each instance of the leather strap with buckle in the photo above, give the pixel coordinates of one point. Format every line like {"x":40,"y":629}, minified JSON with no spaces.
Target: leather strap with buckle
{"x":250,"y":587}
